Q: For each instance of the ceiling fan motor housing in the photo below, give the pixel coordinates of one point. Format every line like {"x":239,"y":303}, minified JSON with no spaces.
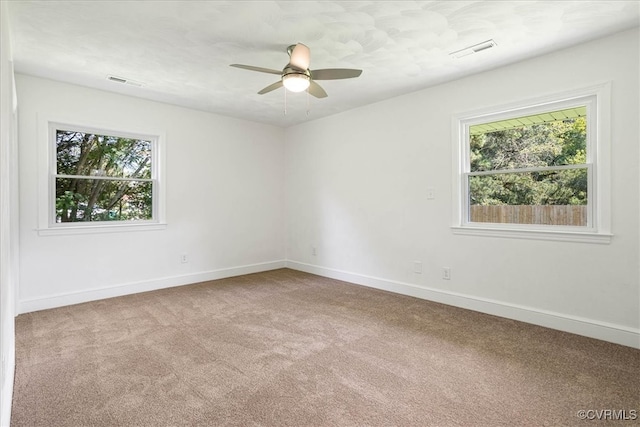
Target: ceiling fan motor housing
{"x":292,"y":70}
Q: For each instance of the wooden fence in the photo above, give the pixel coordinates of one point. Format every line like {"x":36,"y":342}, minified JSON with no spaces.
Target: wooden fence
{"x":575,"y":215}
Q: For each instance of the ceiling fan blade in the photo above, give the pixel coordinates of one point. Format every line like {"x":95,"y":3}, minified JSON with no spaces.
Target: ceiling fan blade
{"x":260,"y":69}
{"x":271,"y":87}
{"x":316,"y":90}
{"x":335,"y":73}
{"x":300,"y":57}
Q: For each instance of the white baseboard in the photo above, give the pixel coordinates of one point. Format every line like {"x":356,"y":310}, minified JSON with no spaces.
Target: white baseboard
{"x":60,"y":300}
{"x":617,"y":334}
{"x":7,"y":387}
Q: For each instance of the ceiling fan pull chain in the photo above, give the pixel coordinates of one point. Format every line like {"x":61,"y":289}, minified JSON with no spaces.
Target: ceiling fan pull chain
{"x":308,"y":107}
{"x":285,"y":102}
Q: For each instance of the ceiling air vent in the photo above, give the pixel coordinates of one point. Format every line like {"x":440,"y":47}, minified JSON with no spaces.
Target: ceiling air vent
{"x":474,"y":49}
{"x":124,"y":81}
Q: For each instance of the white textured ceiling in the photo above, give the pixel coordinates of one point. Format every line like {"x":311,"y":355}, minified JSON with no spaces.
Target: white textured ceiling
{"x":181,"y":50}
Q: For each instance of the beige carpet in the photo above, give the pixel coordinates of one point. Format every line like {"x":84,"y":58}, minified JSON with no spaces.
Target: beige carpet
{"x":285,"y":348}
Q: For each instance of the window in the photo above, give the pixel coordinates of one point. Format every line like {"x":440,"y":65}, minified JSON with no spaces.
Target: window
{"x":102,"y":179}
{"x":534,"y":170}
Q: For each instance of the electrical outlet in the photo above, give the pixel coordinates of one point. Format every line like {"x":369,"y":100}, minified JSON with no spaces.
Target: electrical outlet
{"x":417,"y":267}
{"x":431,"y":193}
{"x":314,"y":251}
{"x":446,"y":273}
{"x":184,"y":258}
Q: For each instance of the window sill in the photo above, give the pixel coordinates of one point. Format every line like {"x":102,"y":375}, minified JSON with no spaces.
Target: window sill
{"x":551,"y":235}
{"x":102,"y":228}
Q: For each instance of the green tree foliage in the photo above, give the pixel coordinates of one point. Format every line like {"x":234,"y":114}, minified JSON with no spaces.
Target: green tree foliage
{"x":556,"y":143}
{"x":87,"y":185}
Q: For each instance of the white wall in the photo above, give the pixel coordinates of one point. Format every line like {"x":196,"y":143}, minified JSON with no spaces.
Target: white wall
{"x":356,"y":185}
{"x":224,"y":201}
{"x":8,"y":218}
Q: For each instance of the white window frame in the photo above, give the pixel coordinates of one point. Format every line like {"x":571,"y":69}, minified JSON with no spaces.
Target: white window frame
{"x":47,"y":224}
{"x":598,"y":228}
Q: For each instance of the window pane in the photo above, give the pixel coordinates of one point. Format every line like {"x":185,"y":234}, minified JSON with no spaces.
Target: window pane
{"x":81,"y":200}
{"x":88,"y":154}
{"x":556,"y":197}
{"x":532,"y":141}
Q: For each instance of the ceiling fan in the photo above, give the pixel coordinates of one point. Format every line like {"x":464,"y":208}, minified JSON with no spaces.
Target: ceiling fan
{"x":296,"y":75}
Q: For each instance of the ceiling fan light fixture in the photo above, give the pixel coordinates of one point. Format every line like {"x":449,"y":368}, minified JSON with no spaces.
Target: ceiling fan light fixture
{"x":296,"y":82}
